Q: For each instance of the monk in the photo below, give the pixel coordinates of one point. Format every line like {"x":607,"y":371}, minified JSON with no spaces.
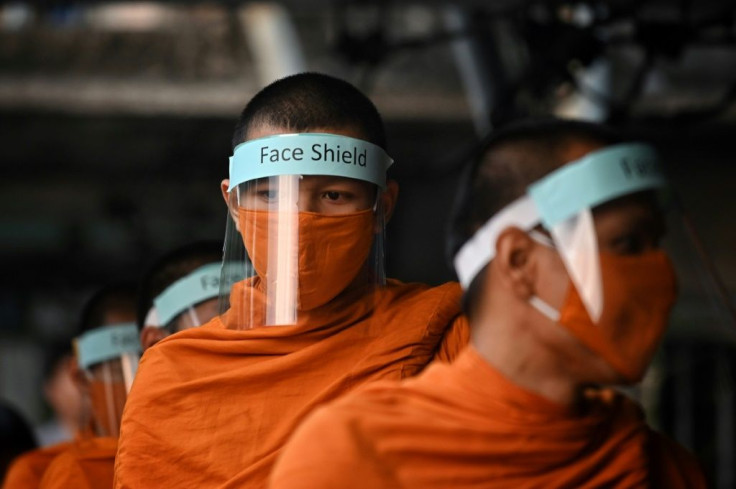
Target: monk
{"x":66,"y":464}
{"x":526,"y":404}
{"x":107,"y":353}
{"x":170,"y":299}
{"x":212,"y":406}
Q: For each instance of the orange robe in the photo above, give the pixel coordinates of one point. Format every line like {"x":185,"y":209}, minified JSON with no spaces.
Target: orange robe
{"x":26,"y":471}
{"x":212,"y":406}
{"x":465,"y":425}
{"x":87,"y":464}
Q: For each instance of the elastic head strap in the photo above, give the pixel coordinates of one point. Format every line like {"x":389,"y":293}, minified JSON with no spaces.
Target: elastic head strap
{"x":479,"y":250}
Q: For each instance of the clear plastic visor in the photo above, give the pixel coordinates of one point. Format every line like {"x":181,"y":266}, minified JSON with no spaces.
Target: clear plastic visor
{"x":109,"y":383}
{"x":108,"y":357}
{"x":641,"y":225}
{"x":303,"y":241}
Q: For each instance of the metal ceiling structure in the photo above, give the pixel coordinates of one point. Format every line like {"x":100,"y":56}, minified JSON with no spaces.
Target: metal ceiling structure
{"x":624,"y":59}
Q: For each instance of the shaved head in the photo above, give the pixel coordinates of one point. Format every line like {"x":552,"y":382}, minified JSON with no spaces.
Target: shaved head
{"x":507,"y":163}
{"x":308,"y":101}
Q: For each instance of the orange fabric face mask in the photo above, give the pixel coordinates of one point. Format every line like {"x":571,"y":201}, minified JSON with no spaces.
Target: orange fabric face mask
{"x":332,"y":250}
{"x":638,"y":293}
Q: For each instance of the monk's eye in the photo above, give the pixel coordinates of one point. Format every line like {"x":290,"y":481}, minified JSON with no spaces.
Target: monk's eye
{"x":335,"y":196}
{"x":635,"y":243}
{"x":628,"y":245}
{"x":267,"y":195}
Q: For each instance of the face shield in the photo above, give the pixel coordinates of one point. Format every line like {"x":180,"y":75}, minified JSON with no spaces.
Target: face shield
{"x":306,"y":222}
{"x":193,"y":300}
{"x":610,"y":218}
{"x":108,"y":356}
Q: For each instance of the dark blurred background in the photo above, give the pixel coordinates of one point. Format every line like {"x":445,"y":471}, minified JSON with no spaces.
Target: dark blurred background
{"x":116,"y":118}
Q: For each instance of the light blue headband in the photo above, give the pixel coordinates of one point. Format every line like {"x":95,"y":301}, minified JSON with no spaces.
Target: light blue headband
{"x":309,"y":154}
{"x":106,"y":343}
{"x":596,"y":178}
{"x":200,"y":285}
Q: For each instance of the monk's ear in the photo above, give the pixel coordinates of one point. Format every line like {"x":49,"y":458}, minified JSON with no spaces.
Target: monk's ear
{"x":151,"y":335}
{"x":231,"y":201}
{"x":388,"y":199}
{"x":514,"y":263}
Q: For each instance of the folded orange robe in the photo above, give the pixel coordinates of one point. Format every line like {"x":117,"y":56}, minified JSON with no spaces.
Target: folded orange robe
{"x":27,"y":470}
{"x":212,"y":406}
{"x":87,"y":464}
{"x":465,"y":425}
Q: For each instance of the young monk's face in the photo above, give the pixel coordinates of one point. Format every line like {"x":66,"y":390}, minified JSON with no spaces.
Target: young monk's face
{"x":104,"y":385}
{"x":628,"y":226}
{"x":320,"y":194}
{"x":327,"y":195}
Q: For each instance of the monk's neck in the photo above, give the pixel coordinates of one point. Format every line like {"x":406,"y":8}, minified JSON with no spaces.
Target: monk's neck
{"x":522,"y":358}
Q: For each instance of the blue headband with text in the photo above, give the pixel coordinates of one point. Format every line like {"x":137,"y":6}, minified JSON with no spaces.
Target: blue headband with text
{"x":200,"y":285}
{"x":106,"y":343}
{"x":309,"y":154}
{"x":598,"y":177}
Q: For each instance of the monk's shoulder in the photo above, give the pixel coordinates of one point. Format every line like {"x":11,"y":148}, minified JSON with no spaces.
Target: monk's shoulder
{"x":440,"y":303}
{"x":87,"y":463}
{"x":159,"y":361}
{"x":64,"y":471}
{"x":407,"y":291}
{"x":97,"y":448}
{"x":363,"y":434}
{"x":32,"y":465}
{"x":66,"y":458}
{"x":388,"y":402}
{"x":188,"y":339}
{"x":340,"y":432}
{"x":24,"y":471}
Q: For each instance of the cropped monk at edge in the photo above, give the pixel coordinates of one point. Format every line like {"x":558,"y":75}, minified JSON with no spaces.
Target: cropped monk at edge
{"x":88,"y":460}
{"x":308,"y":199}
{"x":107,"y":353}
{"x":555,"y":229}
